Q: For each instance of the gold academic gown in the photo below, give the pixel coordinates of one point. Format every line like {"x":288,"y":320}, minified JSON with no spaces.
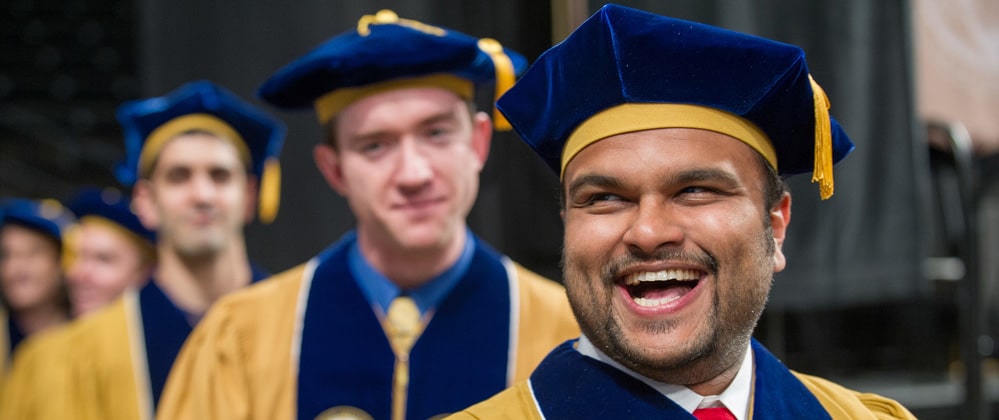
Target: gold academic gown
{"x":241,"y":361}
{"x":66,"y":373}
{"x":595,"y":389}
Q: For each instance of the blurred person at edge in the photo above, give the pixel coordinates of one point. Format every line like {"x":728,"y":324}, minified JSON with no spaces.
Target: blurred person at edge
{"x":195,"y":157}
{"x":410,"y":315}
{"x":109,"y":250}
{"x":32,"y":289}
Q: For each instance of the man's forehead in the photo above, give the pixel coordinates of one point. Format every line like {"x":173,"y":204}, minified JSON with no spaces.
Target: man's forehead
{"x":199,"y":148}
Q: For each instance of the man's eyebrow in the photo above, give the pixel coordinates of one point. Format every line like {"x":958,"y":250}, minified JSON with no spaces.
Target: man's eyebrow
{"x":705,"y":174}
{"x":592,"y":180}
{"x":443,"y":116}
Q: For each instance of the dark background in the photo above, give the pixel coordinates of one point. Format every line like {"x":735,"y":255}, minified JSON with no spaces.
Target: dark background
{"x":853,"y":300}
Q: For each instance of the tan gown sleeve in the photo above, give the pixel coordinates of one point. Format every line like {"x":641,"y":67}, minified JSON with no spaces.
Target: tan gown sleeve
{"x":237,"y":363}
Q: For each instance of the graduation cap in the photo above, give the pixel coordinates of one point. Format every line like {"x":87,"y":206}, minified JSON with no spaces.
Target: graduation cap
{"x":109,"y":205}
{"x":149,"y":123}
{"x":625,"y":70}
{"x":386,"y":52}
{"x":47,"y":216}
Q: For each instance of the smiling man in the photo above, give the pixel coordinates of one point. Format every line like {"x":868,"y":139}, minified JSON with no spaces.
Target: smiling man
{"x":196,"y":158}
{"x":675,"y":213}
{"x":110,"y":250}
{"x":410,"y":315}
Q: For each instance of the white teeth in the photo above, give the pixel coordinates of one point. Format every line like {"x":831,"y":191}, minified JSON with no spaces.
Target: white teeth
{"x":651,"y":303}
{"x":673,"y":274}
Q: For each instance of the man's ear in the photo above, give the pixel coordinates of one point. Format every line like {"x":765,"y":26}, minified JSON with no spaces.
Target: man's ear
{"x":143,"y":204}
{"x":328,"y":162}
{"x":482,"y":135}
{"x":252,"y":194}
{"x":780,"y":217}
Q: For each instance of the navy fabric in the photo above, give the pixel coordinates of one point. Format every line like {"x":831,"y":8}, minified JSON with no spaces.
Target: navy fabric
{"x":46,"y":216}
{"x":568,"y":385}
{"x":388,"y":51}
{"x":14,"y":335}
{"x":621,"y":55}
{"x":264,"y":135}
{"x":112,"y":205}
{"x":459,"y":359}
{"x":165,"y":328}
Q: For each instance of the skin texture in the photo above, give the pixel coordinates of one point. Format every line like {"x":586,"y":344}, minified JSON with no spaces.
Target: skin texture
{"x":408,"y":163}
{"x":198,"y":197}
{"x":31,"y":278}
{"x":663,"y":199}
{"x":106,"y":261}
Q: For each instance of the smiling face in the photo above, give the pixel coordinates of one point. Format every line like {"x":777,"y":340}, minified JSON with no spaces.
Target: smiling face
{"x":106,"y":261}
{"x":408,"y":162}
{"x":197,"y":197}
{"x":30,"y":275}
{"x":670,"y":251}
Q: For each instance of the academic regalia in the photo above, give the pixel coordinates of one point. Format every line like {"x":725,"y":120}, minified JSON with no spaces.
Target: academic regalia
{"x":568,"y":384}
{"x":308,"y":340}
{"x":108,"y":365}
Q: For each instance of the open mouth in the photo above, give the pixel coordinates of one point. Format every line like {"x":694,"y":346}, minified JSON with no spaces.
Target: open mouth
{"x":650,"y":289}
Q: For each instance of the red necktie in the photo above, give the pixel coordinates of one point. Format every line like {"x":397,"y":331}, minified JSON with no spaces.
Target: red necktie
{"x":713,"y":413}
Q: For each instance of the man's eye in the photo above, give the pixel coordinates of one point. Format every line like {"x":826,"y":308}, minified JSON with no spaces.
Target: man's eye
{"x":598,"y":198}
{"x":438,"y":134}
{"x":221,"y":175}
{"x":371,"y":147}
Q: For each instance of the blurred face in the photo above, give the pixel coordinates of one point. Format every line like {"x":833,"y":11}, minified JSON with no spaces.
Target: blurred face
{"x":198,"y":196}
{"x":669,"y":250}
{"x":106,"y":262}
{"x":30,"y":275}
{"x":408,"y":162}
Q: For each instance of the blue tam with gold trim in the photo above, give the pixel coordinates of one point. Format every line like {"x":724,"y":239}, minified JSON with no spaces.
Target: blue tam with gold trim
{"x":625,"y":70}
{"x":111,"y":205}
{"x":204,"y":106}
{"x":387,"y":52}
{"x":47,"y":216}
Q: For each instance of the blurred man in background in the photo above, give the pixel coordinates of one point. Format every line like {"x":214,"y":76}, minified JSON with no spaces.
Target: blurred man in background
{"x":109,"y":250}
{"x":32,"y":289}
{"x":410,"y":315}
{"x":195,"y":157}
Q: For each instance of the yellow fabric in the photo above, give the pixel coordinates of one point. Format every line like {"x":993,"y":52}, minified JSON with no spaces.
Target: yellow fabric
{"x":505,"y":77}
{"x":402,"y":326}
{"x":546,"y":320}
{"x":82,"y":371}
{"x":170,"y":129}
{"x":237,"y":364}
{"x":630,"y":117}
{"x":330,"y":104}
{"x":822,"y":171}
{"x":270,"y":190}
{"x":847,"y":404}
{"x":4,"y":346}
{"x":842,"y":404}
{"x":514,"y":403}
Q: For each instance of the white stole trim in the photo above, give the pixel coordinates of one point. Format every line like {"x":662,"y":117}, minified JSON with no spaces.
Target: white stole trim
{"x":299,"y":324}
{"x":514,"y":287}
{"x":140,"y":363}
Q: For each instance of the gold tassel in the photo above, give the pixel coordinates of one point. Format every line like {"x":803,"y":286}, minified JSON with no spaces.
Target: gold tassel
{"x":270,"y":190}
{"x":823,"y":170}
{"x":505,"y":76}
{"x":402,"y":326}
